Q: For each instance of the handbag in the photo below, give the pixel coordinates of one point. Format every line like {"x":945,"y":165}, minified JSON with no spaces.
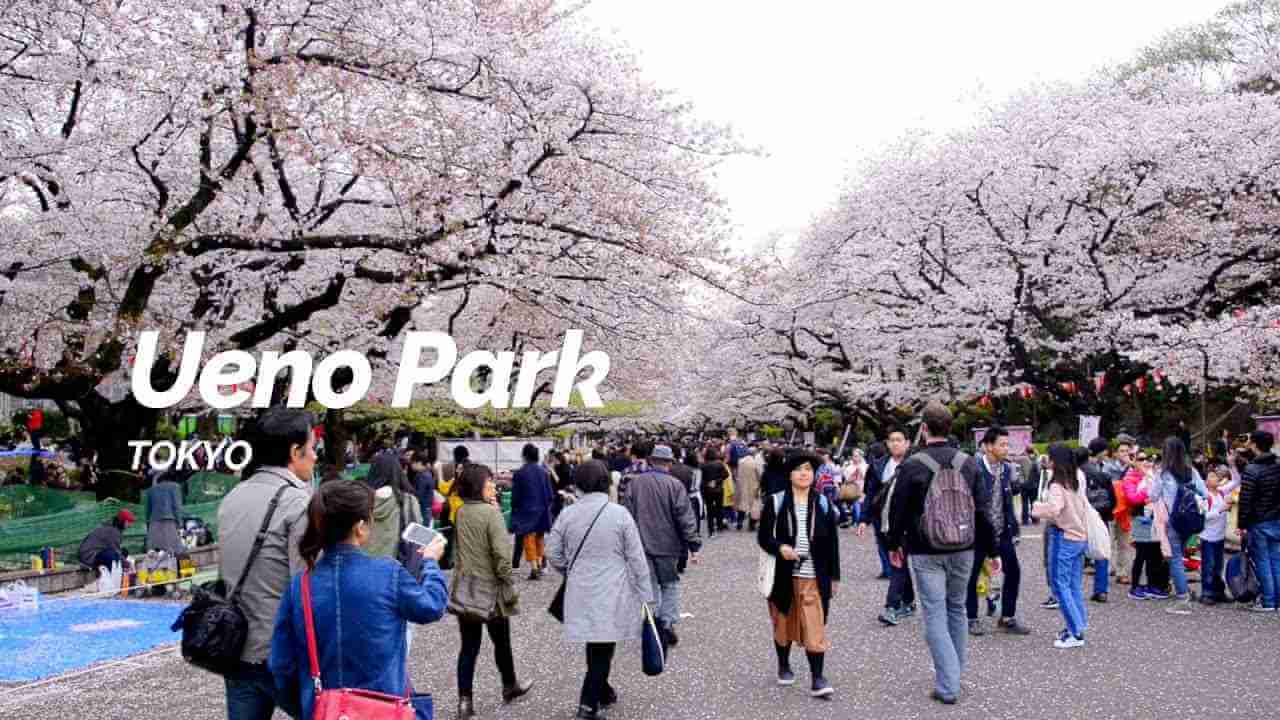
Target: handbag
{"x":849,"y":492}
{"x":214,"y":628}
{"x":557,"y":603}
{"x":344,"y":703}
{"x":767,"y":564}
{"x":653,"y":658}
{"x":1099,"y":536}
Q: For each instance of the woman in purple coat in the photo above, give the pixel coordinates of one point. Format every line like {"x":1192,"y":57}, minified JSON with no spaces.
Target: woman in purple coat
{"x":531,"y":498}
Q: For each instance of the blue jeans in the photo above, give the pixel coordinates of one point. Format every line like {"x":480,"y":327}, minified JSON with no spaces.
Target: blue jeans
{"x":1264,"y":547}
{"x":1101,"y":576}
{"x":886,"y":569}
{"x":1048,"y":562}
{"x":941,"y":583}
{"x":252,"y":695}
{"x":1068,"y":581}
{"x":1176,"y":567}
{"x":1211,"y":554}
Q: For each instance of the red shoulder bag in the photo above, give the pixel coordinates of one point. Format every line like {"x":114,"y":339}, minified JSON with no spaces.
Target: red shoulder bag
{"x":346,"y":703}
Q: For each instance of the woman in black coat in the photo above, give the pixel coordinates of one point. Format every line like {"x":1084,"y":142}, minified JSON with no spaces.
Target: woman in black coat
{"x":798,"y":528}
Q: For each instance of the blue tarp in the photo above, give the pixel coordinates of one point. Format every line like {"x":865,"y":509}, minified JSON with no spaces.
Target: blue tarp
{"x":25,"y":452}
{"x":66,"y":635}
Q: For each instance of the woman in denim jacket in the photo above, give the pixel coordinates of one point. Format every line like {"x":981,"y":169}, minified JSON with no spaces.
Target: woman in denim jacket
{"x":361,"y":604}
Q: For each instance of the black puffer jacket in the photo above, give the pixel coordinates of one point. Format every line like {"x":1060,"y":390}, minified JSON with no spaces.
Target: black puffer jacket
{"x":1260,"y":491}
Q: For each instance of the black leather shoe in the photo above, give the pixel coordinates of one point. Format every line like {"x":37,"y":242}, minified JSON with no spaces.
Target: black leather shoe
{"x":610,"y":697}
{"x":586,"y":713}
{"x":515,"y":692}
{"x":466,"y":709}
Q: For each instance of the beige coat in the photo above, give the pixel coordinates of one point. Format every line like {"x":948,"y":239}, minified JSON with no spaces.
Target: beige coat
{"x":747,"y":487}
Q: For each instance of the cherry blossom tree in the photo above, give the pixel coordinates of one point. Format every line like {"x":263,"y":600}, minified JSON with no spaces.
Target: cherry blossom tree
{"x":295,"y":174}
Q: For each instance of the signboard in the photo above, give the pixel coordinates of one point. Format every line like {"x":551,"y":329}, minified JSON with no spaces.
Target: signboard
{"x":1269,"y":423}
{"x":1019,"y":439}
{"x":1089,"y":427}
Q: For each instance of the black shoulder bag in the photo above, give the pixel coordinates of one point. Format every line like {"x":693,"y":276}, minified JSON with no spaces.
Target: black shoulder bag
{"x":557,"y":603}
{"x":214,"y":628}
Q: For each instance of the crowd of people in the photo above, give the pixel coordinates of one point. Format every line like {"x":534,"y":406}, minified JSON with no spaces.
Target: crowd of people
{"x":621,"y":526}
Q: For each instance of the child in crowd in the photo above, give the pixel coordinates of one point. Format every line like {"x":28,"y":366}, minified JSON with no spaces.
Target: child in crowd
{"x":1213,"y":540}
{"x":1137,"y":488}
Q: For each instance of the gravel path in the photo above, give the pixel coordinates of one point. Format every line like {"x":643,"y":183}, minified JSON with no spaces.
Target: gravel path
{"x":1140,"y":662}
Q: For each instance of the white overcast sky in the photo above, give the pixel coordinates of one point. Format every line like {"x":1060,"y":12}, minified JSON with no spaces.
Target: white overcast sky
{"x":821,"y":84}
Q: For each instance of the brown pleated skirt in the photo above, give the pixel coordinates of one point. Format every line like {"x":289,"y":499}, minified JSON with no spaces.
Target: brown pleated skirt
{"x":806,"y":624}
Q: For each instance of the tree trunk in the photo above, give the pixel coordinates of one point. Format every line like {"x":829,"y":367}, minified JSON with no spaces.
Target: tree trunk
{"x":108,"y":428}
{"x":335,"y":438}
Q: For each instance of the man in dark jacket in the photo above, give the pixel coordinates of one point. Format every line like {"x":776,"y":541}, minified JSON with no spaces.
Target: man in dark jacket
{"x":1260,"y":518}
{"x":659,"y":503}
{"x":899,"y":601}
{"x":103,"y":547}
{"x":941,"y":576}
{"x":1101,"y":491}
{"x":996,"y":476}
{"x":530,"y":510}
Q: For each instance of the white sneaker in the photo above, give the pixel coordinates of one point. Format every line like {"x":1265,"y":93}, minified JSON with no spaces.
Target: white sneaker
{"x":1067,"y":641}
{"x":1182,"y":606}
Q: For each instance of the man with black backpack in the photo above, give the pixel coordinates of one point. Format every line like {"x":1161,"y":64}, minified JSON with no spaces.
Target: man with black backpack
{"x":1101,"y":492}
{"x":260,"y":523}
{"x":934,"y":520}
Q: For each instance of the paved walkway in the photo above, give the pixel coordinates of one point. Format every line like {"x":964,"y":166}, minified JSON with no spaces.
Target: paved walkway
{"x":1140,"y":662}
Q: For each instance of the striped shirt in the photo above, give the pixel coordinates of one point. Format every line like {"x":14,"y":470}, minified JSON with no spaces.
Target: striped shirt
{"x":804,"y":570}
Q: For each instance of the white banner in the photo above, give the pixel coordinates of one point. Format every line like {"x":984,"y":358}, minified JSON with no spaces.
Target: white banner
{"x":1089,"y":427}
{"x":500,"y":455}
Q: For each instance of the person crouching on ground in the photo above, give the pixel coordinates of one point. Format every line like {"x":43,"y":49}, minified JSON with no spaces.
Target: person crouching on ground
{"x":799,"y":527}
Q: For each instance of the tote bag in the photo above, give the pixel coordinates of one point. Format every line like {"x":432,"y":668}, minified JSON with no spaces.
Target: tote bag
{"x":767,"y":565}
{"x":652,"y":658}
{"x":1099,"y":536}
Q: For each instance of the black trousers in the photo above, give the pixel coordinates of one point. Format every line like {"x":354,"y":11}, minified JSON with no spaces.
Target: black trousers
{"x":1148,"y":556}
{"x":500,"y":634}
{"x":596,"y":683}
{"x":1026,"y":510}
{"x":715,"y":511}
{"x":901,"y":592}
{"x":1012,"y":570}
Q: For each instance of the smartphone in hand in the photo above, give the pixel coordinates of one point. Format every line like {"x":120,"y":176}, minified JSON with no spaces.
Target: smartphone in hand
{"x":420,"y":535}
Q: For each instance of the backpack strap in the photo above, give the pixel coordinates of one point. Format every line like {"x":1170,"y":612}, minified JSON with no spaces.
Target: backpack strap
{"x":928,"y":461}
{"x":958,"y":461}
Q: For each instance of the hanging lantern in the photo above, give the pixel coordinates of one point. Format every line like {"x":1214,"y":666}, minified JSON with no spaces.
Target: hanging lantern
{"x":1128,"y":390}
{"x":1142,"y":384}
{"x":1100,"y":381}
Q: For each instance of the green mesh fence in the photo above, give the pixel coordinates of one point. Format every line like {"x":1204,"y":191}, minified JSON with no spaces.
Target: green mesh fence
{"x":20,"y":539}
{"x":209,"y":486}
{"x":32,"y":518}
{"x":24,"y":501}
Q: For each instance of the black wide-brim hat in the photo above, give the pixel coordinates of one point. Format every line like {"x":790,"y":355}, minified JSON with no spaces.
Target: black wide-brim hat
{"x":795,"y":460}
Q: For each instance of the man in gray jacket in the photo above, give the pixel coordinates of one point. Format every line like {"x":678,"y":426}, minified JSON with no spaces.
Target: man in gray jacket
{"x":283,"y":457}
{"x":660,"y":505}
